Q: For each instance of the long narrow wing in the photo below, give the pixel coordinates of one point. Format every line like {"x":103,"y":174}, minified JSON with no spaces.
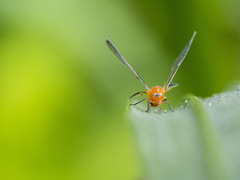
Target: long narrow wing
{"x":178,"y":62}
{"x":117,"y":53}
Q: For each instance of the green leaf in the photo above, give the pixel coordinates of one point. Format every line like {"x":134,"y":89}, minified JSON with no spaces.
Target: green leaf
{"x":200,"y":140}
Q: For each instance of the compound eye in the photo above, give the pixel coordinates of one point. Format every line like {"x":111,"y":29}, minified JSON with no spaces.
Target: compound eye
{"x":156,"y":94}
{"x":159,"y":94}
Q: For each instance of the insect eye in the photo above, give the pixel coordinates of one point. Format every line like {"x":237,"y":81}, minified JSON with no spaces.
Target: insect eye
{"x":159,"y":94}
{"x":156,"y":94}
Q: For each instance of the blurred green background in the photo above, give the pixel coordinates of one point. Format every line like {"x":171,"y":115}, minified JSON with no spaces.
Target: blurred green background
{"x":63,"y":94}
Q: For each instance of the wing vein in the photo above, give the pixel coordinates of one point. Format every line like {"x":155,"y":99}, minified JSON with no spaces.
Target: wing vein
{"x":122,"y":59}
{"x":178,"y":62}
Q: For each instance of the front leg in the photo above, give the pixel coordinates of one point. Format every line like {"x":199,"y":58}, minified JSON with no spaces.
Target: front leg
{"x":149,"y":107}
{"x":159,"y":109}
{"x":168,"y":105}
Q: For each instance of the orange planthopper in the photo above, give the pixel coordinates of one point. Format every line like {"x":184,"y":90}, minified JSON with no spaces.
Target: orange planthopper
{"x":156,"y":94}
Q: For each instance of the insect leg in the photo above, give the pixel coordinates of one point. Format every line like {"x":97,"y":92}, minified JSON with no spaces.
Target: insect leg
{"x":165,"y":101}
{"x":138,"y":102}
{"x":138,"y":94}
{"x":169,"y":106}
{"x":149,"y":107}
{"x":159,"y":109}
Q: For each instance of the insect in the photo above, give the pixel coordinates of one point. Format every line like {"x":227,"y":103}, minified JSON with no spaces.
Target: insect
{"x":156,"y":94}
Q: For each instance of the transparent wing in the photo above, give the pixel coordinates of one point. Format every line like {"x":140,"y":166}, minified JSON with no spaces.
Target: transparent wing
{"x":117,"y":53}
{"x":178,"y":62}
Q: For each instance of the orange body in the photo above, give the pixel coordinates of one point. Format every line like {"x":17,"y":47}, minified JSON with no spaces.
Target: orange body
{"x":156,"y":96}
